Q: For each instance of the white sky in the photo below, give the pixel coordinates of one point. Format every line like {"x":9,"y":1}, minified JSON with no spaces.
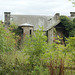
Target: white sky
{"x":36,"y":7}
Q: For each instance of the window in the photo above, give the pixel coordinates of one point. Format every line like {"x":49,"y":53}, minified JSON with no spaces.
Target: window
{"x":30,"y":33}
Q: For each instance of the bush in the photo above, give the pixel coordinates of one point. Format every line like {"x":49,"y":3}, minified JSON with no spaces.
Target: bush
{"x":37,"y":57}
{"x":69,"y":26}
{"x":7,"y":41}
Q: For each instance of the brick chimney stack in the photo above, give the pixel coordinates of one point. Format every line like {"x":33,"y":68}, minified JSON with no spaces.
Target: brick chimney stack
{"x":7,"y":19}
{"x":57,"y":15}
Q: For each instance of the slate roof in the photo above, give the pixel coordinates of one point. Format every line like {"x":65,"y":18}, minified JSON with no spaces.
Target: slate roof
{"x":36,"y":20}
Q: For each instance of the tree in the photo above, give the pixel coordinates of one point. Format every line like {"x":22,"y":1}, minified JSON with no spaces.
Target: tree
{"x":73,"y":2}
{"x":69,"y":26}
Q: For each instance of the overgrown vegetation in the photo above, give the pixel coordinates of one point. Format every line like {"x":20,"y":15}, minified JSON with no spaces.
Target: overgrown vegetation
{"x":69,"y":26}
{"x":6,"y":39}
{"x":36,"y":57}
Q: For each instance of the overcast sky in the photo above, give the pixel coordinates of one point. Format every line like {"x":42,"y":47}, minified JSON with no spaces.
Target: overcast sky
{"x":36,"y":7}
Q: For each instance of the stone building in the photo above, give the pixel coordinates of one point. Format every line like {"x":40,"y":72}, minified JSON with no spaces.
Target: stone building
{"x":30,"y":23}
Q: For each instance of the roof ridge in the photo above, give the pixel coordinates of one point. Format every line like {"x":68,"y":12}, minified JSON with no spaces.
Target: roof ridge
{"x":30,"y":15}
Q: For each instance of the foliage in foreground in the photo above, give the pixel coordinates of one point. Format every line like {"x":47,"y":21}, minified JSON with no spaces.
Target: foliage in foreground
{"x":7,"y":39}
{"x":37,"y":57}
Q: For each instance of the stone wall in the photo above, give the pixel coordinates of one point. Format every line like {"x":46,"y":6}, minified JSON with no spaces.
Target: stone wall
{"x":27,"y":31}
{"x":7,"y":19}
{"x":51,"y":35}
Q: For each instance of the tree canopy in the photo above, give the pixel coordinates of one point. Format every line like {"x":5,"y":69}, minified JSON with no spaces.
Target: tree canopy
{"x":73,"y":2}
{"x":69,"y":26}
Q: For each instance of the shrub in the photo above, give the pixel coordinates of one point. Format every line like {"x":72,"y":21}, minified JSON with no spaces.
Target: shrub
{"x":7,"y":41}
